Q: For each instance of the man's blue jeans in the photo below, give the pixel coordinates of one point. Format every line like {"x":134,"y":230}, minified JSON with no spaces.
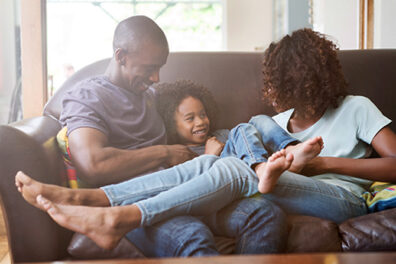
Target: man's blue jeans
{"x":257,"y":225}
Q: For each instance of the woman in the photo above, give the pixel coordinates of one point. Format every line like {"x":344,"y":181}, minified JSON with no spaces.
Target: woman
{"x":303,"y":81}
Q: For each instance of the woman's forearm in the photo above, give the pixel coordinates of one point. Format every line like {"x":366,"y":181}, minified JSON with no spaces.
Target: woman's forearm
{"x":378,"y":169}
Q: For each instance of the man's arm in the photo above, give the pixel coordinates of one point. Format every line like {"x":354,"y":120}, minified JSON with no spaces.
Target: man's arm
{"x":99,"y":164}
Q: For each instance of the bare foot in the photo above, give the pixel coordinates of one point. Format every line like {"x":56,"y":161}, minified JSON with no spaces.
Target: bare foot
{"x":304,"y":152}
{"x":30,"y":189}
{"x":104,"y":225}
{"x":269,"y":172}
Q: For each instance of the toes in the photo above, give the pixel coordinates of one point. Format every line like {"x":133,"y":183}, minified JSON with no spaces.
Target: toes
{"x":18,"y":184}
{"x":290,"y":157}
{"x":22,"y":178}
{"x":43,"y":202}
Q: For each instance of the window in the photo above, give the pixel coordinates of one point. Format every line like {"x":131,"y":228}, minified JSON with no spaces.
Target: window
{"x":81,"y":31}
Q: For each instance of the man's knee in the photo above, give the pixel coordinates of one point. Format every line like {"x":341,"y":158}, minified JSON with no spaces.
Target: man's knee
{"x":257,"y":212}
{"x":258,"y":225}
{"x":182,"y":236}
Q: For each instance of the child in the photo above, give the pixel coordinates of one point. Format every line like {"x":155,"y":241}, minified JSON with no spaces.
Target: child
{"x":200,"y":186}
{"x":197,"y":130}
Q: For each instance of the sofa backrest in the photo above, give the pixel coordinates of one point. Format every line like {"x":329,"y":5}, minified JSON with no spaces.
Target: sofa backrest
{"x":235,"y":80}
{"x":372,"y":73}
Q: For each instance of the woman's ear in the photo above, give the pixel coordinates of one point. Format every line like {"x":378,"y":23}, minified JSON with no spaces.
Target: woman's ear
{"x":120,"y":56}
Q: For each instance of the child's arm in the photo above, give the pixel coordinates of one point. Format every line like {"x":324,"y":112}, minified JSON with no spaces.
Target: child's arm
{"x":213,"y":146}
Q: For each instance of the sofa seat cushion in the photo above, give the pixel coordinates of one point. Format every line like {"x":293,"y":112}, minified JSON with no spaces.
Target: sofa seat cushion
{"x":82,"y":247}
{"x":312,"y":234}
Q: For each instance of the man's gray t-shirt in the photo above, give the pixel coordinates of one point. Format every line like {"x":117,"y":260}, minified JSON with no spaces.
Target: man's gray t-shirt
{"x":129,"y":120}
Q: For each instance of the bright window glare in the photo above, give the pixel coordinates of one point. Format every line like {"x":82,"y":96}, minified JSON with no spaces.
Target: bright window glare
{"x":81,"y":32}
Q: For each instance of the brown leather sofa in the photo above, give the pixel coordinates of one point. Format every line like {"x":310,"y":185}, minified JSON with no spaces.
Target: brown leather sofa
{"x":235,"y":79}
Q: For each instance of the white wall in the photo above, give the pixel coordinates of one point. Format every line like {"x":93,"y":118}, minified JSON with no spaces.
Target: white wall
{"x":7,"y":57}
{"x":339,"y":19}
{"x":385,"y":24}
{"x":247,"y":24}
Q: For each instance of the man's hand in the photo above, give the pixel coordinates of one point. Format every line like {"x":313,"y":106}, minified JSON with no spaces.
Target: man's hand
{"x":214,"y":146}
{"x":178,"y":154}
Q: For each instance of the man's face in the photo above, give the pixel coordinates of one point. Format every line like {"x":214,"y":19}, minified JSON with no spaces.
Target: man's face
{"x":141,"y":69}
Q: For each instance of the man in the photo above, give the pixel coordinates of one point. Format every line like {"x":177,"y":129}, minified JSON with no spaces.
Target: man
{"x":114,"y":133}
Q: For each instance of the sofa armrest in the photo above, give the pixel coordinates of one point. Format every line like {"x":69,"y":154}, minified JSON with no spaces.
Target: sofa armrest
{"x":32,"y":234}
{"x":371,"y":232}
{"x":39,"y":128}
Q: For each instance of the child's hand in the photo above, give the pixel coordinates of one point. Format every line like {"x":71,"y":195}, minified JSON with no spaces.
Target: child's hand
{"x":213,"y":146}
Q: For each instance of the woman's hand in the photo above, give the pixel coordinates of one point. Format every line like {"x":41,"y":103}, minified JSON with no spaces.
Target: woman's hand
{"x":213,"y":146}
{"x":314,"y":167}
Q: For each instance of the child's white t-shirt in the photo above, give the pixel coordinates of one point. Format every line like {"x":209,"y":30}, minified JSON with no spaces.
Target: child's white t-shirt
{"x":347,"y":132}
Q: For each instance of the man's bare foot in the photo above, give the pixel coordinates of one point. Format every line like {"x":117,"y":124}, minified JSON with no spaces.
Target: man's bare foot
{"x":104,"y":225}
{"x":269,"y":172}
{"x":304,"y":152}
{"x":30,"y":189}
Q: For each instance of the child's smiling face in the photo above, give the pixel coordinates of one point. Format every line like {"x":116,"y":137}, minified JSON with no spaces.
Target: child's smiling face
{"x":192,"y":123}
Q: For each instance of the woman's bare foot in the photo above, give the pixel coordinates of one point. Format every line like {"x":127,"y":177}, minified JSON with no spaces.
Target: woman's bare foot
{"x":269,"y":172}
{"x":304,"y":152}
{"x":104,"y":225}
{"x":30,"y":189}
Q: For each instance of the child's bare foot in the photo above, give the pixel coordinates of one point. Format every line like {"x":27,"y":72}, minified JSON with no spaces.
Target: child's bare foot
{"x":104,"y":225}
{"x":304,"y":152}
{"x":30,"y":189}
{"x":269,"y":172}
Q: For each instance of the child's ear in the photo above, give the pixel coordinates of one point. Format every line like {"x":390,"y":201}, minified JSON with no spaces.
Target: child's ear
{"x":120,"y":56}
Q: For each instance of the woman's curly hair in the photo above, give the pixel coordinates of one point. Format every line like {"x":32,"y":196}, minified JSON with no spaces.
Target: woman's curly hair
{"x":302,"y":71}
{"x":170,"y":95}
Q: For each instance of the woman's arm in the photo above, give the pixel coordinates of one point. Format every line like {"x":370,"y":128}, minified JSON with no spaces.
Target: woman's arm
{"x":377,"y":169}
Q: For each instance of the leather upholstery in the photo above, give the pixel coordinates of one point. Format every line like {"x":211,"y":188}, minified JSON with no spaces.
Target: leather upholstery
{"x":235,"y":79}
{"x":374,"y":232}
{"x":32,"y":235}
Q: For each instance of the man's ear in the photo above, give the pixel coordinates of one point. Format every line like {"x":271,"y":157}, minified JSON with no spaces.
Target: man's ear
{"x":120,"y":56}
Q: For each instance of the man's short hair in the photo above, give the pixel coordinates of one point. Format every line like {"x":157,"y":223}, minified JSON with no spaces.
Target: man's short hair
{"x":131,"y":34}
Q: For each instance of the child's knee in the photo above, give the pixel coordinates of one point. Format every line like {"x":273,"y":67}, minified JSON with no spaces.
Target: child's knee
{"x":260,"y":119}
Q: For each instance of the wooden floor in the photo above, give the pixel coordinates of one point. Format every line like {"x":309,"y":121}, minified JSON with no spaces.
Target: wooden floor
{"x":340,"y":258}
{"x":4,"y":253}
